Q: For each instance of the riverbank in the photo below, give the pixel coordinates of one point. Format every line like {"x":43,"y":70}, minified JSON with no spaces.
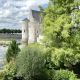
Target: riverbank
{"x":6,"y":38}
{"x":5,"y":42}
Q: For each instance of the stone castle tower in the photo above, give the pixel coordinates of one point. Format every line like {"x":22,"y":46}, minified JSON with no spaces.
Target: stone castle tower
{"x":31,"y":27}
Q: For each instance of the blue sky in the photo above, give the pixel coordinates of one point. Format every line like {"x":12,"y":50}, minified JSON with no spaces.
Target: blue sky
{"x":13,"y":11}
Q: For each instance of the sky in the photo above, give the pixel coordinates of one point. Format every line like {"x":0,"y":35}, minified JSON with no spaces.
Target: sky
{"x":13,"y":11}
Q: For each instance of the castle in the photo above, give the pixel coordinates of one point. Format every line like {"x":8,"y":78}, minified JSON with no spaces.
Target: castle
{"x":31,"y":27}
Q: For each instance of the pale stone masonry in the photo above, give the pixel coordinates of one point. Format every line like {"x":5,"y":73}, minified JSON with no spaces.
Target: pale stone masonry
{"x":31,"y":27}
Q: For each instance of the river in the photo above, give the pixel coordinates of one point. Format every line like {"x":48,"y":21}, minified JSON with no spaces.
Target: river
{"x":3,"y":50}
{"x":2,"y":55}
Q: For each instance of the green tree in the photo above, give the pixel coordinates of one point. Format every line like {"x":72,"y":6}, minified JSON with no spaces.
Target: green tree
{"x":31,"y":63}
{"x":12,"y":51}
{"x":10,"y":30}
{"x":9,"y":71}
{"x":64,"y":75}
{"x":61,"y":30}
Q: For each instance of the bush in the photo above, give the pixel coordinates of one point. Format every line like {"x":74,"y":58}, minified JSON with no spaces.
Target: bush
{"x":65,"y":57}
{"x":64,"y":75}
{"x":31,"y":63}
{"x":10,"y":70}
{"x":12,"y":51}
{"x":2,"y":73}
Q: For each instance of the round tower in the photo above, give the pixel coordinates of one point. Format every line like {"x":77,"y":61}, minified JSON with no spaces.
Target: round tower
{"x":25,"y":31}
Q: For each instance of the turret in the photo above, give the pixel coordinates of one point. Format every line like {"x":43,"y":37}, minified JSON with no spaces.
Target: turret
{"x":25,"y":31}
{"x":31,"y":27}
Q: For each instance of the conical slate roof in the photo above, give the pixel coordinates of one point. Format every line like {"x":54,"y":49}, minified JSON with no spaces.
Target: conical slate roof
{"x":35,"y":14}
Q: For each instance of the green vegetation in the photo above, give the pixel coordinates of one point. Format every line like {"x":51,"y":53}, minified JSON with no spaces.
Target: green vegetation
{"x":10,"y":31}
{"x":64,"y":75}
{"x":58,"y":57}
{"x":31,"y":63}
{"x":9,"y":71}
{"x":12,"y":51}
{"x":62,"y":33}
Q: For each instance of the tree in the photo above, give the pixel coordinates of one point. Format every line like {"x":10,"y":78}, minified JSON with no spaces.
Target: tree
{"x":31,"y":63}
{"x":61,"y":29}
{"x":12,"y":51}
{"x":64,"y":75}
{"x":10,"y":30}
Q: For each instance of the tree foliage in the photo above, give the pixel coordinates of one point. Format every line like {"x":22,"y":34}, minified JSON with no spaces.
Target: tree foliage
{"x":12,"y":51}
{"x":31,"y":63}
{"x":64,"y":75}
{"x":10,"y":30}
{"x":9,"y":71}
{"x":61,"y":28}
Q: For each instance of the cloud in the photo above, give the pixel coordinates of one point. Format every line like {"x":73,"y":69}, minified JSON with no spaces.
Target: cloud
{"x":35,"y":3}
{"x":4,"y":13}
{"x":12,"y":11}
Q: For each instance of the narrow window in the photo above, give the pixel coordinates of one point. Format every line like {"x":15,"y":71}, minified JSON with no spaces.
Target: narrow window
{"x":24,"y":30}
{"x":37,"y":32}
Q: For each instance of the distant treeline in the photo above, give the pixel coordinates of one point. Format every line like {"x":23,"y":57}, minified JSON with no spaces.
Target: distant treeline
{"x":10,"y":30}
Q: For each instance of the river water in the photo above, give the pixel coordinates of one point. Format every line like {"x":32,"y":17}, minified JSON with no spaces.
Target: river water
{"x":3,"y":50}
{"x":2,"y":55}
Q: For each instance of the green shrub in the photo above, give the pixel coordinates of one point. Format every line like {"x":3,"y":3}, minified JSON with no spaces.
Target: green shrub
{"x":31,"y":63}
{"x":64,"y":75}
{"x":12,"y":51}
{"x":8,"y":71}
{"x":2,"y":73}
{"x":64,"y":57}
